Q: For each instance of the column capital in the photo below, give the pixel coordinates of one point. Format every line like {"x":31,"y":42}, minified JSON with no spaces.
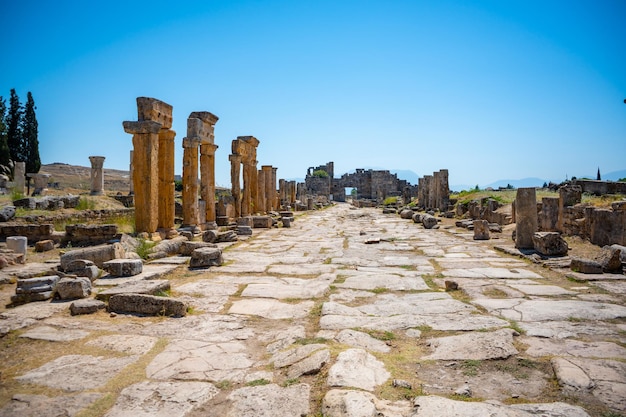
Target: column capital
{"x":234,"y":158}
{"x":191,"y":142}
{"x":146,"y":126}
{"x":208,"y":148}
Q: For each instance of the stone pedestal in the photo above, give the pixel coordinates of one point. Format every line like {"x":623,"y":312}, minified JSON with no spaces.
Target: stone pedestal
{"x":97,"y":175}
{"x":525,"y":218}
{"x":18,"y":244}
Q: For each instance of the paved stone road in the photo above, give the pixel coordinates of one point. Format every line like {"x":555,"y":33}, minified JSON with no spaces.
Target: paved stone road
{"x":313,"y":321}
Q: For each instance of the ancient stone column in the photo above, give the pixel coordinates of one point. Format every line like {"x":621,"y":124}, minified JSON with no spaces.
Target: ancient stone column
{"x":269,"y":194}
{"x":292,"y":193}
{"x":207,"y":175}
{"x":19,"y":177}
{"x":145,"y":179}
{"x":525,"y":217}
{"x":235,"y":167}
{"x":190,"y":173}
{"x":97,"y":175}
{"x":282,"y":192}
{"x":261,"y":191}
{"x":166,"y":179}
{"x":131,"y":169}
{"x":443,"y":190}
{"x":275,"y":202}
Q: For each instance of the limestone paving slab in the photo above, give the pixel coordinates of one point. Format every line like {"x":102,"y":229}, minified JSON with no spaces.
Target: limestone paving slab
{"x":208,"y":296}
{"x":544,"y":310}
{"x":291,"y":288}
{"x":271,"y":309}
{"x":615,"y":287}
{"x":358,"y":369}
{"x":214,"y":328}
{"x":538,"y":347}
{"x":473,"y":346}
{"x":269,"y":401}
{"x":361,"y":340}
{"x":170,"y":260}
{"x":609,"y":378}
{"x":579,"y":276}
{"x":77,"y":372}
{"x":162,"y":398}
{"x":151,"y":287}
{"x":196,"y":360}
{"x":570,"y":329}
{"x":300,"y":269}
{"x":543,"y":290}
{"x":27,"y":405}
{"x":371,"y":281}
{"x":501,"y":273}
{"x":433,"y":406}
{"x":346,"y":403}
{"x":129,"y":344}
{"x":28,"y":314}
{"x":54,"y":334}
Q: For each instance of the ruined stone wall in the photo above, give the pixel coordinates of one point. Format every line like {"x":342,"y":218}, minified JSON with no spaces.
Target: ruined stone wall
{"x":601,"y":187}
{"x":433,"y":191}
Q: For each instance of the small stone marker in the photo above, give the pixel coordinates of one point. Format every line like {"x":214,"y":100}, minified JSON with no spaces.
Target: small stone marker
{"x":123,"y":267}
{"x":44,"y":245}
{"x":86,"y":306}
{"x":550,"y":244}
{"x":481,"y":230}
{"x":147,"y":304}
{"x":18,"y":244}
{"x":204,"y":257}
{"x":70,"y":288}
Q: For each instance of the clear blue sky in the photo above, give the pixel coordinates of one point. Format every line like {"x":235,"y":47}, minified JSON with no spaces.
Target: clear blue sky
{"x":487,"y":89}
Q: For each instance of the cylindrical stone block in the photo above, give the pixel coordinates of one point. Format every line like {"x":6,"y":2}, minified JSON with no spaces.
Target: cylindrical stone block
{"x":97,"y":175}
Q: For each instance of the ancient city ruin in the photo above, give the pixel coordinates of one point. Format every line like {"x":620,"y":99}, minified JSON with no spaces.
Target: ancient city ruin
{"x":286,"y":298}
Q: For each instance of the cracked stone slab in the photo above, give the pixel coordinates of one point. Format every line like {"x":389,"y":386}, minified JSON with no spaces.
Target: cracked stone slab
{"x":350,"y":403}
{"x":579,"y":276}
{"x":28,"y":314}
{"x":473,"y":346}
{"x":609,"y":378}
{"x":291,"y":288}
{"x":301,"y":269}
{"x":545,"y":310}
{"x":616,"y":287}
{"x":291,"y":356}
{"x":206,"y":327}
{"x":542,"y":289}
{"x":207,"y":296}
{"x":77,"y":372}
{"x":162,"y":398}
{"x":26,"y":405}
{"x":53,"y":334}
{"x":433,"y":406}
{"x":151,"y":287}
{"x":269,"y":401}
{"x":361,"y":340}
{"x":195,"y":360}
{"x":271,"y":309}
{"x":309,"y":365}
{"x":130,"y":344}
{"x":357,"y":368}
{"x":568,"y":329}
{"x":567,"y":347}
{"x":498,"y":273}
{"x":371,"y":281}
{"x":571,"y":376}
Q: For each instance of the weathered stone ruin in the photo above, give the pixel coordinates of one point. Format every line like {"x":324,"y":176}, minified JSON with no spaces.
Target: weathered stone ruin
{"x":375,"y":185}
{"x":97,"y":175}
{"x":200,"y":128}
{"x":154,"y":185}
{"x":433,"y":192}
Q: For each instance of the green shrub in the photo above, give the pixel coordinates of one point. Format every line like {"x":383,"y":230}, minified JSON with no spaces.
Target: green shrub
{"x":86,"y":204}
{"x":390,"y":201}
{"x":144,"y":248}
{"x":320,"y":173}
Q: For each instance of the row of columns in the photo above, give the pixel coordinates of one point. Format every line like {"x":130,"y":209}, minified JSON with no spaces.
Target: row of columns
{"x":259,"y":186}
{"x":152,"y":170}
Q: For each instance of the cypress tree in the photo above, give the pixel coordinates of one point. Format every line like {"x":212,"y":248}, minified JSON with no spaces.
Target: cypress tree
{"x":13,"y":121}
{"x":30,"y":141}
{"x":5,"y":155}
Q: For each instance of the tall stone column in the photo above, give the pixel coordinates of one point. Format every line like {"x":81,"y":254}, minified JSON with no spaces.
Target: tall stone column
{"x":269,"y":193}
{"x":97,"y":175}
{"x":235,"y":169}
{"x":260,"y":195}
{"x":19,"y":177}
{"x":131,"y":174}
{"x":247,"y":194}
{"x":190,"y":179}
{"x":207,"y":175}
{"x":166,"y":179}
{"x":275,"y":202}
{"x":525,"y":217}
{"x":282,"y":192}
{"x":145,"y":181}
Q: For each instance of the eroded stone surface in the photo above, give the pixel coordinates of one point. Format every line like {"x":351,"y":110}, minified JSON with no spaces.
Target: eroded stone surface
{"x":27,"y":405}
{"x":357,"y":369}
{"x":474,"y":346}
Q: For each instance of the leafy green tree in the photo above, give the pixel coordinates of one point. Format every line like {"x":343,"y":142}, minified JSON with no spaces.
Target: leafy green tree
{"x":14,"y":133}
{"x":29,"y":136}
{"x":5,"y":155}
{"x":320,"y":173}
